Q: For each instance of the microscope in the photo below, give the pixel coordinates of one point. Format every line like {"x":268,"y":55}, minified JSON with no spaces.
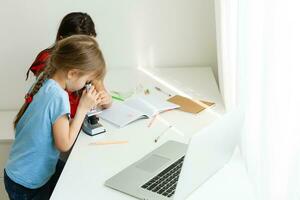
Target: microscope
{"x":91,"y":124}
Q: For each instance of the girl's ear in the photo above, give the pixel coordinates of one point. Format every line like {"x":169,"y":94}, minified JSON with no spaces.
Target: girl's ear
{"x":73,"y":73}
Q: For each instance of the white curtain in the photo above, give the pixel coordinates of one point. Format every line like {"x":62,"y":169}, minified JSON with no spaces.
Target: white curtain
{"x":260,"y":70}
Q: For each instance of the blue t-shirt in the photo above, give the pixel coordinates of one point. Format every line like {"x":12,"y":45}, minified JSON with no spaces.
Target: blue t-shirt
{"x":33,"y":156}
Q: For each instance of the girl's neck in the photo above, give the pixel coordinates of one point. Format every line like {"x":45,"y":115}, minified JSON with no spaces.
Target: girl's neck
{"x":60,"y":78}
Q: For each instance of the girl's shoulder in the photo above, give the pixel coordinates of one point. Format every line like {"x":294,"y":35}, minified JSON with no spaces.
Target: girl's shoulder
{"x":51,"y":87}
{"x":50,"y":95}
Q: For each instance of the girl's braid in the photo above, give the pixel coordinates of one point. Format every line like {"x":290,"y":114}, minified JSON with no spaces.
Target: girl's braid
{"x":47,"y":73}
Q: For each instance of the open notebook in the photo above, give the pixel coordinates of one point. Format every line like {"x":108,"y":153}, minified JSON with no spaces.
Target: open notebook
{"x":123,"y":113}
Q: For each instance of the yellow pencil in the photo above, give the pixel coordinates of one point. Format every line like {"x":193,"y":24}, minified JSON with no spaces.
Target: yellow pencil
{"x":101,"y":142}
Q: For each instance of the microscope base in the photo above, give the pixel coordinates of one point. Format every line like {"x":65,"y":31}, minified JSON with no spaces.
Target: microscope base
{"x":92,"y":129}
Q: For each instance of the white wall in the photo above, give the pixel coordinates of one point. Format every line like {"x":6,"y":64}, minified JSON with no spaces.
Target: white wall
{"x":159,"y":33}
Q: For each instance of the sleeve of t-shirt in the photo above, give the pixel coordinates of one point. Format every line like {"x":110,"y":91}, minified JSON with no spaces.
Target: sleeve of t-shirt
{"x":59,"y":106}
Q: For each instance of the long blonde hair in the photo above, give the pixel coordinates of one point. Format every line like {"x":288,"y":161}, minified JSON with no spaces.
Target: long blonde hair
{"x":75,"y":52}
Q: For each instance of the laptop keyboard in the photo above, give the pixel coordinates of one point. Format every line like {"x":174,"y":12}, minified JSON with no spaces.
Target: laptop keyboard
{"x":165,"y":182}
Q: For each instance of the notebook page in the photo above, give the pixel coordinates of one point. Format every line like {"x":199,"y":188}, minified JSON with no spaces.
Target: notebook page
{"x":120,"y":114}
{"x":150,"y":105}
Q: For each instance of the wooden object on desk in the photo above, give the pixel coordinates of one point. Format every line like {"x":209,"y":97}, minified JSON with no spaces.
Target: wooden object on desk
{"x":189,"y":105}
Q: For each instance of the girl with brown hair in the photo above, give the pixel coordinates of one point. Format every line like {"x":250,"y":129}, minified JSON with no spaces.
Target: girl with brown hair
{"x":42,"y":126}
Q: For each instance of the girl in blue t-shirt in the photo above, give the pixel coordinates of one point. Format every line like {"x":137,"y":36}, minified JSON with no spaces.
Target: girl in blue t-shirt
{"x":42,"y":126}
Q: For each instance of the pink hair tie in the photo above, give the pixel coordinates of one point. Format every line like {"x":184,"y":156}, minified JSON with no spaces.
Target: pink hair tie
{"x":28,"y":98}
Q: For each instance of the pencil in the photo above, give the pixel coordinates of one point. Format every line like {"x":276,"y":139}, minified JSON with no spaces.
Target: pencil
{"x":158,"y":89}
{"x":117,"y":98}
{"x":162,"y":133}
{"x":152,"y":120}
{"x":155,"y":116}
{"x":109,"y":142}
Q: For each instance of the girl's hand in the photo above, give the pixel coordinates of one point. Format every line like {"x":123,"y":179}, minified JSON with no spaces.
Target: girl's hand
{"x":106,"y":99}
{"x":89,"y":99}
{"x":65,"y":133}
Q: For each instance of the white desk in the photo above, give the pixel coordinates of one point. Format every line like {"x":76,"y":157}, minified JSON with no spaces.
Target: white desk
{"x":89,"y":166}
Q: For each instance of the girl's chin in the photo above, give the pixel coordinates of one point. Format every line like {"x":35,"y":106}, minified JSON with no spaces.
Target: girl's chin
{"x":70,"y":90}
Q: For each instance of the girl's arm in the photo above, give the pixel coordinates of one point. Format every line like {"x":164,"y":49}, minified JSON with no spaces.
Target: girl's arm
{"x":64,"y":132}
{"x":106,"y":99}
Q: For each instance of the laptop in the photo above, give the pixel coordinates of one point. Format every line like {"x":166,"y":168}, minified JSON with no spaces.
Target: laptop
{"x":174,"y":170}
